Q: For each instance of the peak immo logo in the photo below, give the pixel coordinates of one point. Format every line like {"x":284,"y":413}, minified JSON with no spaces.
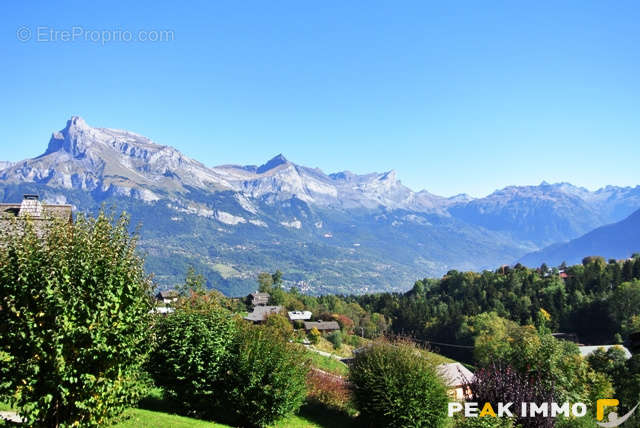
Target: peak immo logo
{"x":532,"y":410}
{"x":613,"y":419}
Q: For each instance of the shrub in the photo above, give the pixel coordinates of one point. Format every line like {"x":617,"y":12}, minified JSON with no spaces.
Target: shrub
{"x":314,"y":335}
{"x":394,"y":386}
{"x":265,"y":379}
{"x":74,"y":306}
{"x":486,"y":422}
{"x":352,"y":340}
{"x":191,"y":348}
{"x":329,"y":390}
{"x":346,"y":323}
{"x":280,"y":324}
{"x":501,"y":383}
{"x":335,"y":337}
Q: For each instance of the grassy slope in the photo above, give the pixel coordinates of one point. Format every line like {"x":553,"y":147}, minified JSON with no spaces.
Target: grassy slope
{"x":309,"y":417}
{"x":138,"y":418}
{"x":328,"y":364}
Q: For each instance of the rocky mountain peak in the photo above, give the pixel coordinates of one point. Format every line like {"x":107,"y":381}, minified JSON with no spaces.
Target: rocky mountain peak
{"x":274,"y":162}
{"x":76,"y":122}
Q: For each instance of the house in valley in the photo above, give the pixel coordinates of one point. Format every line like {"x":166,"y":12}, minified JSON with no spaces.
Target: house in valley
{"x":260,"y":313}
{"x":299,"y":315}
{"x":322,"y":326}
{"x":40,"y":214}
{"x":167,"y":296}
{"x":258,"y":299}
{"x":455,"y":377}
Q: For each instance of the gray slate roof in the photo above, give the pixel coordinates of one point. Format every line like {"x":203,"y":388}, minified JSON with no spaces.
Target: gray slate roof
{"x":258,"y":298}
{"x":260,"y":313}
{"x":585,"y":351}
{"x":322,"y":325}
{"x":454,"y":374}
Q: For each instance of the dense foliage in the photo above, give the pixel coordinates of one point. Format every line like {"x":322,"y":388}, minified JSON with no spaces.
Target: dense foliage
{"x":394,"y":386}
{"x":215,"y":365}
{"x":597,"y":300}
{"x":265,"y":378}
{"x":625,"y":375}
{"x":73,"y":320}
{"x":536,"y":354}
{"x":190,"y":351}
{"x":500,"y":383}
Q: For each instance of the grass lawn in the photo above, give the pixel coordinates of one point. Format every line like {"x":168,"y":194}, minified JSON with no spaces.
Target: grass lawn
{"x":155,"y":411}
{"x":326,"y":346}
{"x":310,"y":416}
{"x":436,"y":359}
{"x":328,"y":364}
{"x":134,"y":418}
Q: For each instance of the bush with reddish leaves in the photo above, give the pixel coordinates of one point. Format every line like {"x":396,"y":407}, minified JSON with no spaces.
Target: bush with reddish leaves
{"x":330,"y":390}
{"x":497,"y":383}
{"x":346,"y":323}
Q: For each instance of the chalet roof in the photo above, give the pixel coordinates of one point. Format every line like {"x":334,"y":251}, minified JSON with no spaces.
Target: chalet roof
{"x":167,"y":294}
{"x":299,"y":315}
{"x":259,"y":298}
{"x":260,"y":313}
{"x":585,"y":351}
{"x":454,"y":374}
{"x":322,"y":325}
{"x":35,"y":209}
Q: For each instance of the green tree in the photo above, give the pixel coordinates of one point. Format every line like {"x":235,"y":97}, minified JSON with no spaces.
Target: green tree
{"x":194,"y":283}
{"x":395,"y":387}
{"x":73,"y":320}
{"x":280,"y":324}
{"x":624,"y":305}
{"x":265,"y":282}
{"x":190,"y":348}
{"x":264,"y":380}
{"x":335,"y":338}
{"x":556,"y":362}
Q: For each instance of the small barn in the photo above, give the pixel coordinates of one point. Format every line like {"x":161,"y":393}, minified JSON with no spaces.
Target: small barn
{"x":322,"y":326}
{"x":455,"y":377}
{"x":260,"y":313}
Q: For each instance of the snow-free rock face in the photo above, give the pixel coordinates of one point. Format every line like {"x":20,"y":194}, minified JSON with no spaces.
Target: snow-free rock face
{"x":112,"y":161}
{"x":5,"y":164}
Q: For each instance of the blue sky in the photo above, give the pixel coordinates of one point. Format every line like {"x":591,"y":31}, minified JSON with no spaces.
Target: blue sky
{"x":456,"y":98}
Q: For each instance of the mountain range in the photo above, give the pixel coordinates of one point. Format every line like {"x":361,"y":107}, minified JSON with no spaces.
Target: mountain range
{"x":339,"y":232}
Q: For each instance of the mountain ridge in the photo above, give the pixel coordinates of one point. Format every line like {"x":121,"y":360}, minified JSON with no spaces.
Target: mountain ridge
{"x":613,"y":241}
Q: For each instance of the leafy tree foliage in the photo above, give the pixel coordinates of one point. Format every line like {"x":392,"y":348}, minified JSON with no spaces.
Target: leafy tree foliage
{"x":536,"y":354}
{"x":265,"y":378}
{"x":191,"y":347}
{"x":74,"y":306}
{"x":625,"y":376}
{"x":335,"y":337}
{"x":395,"y":387}
{"x":595,"y":300}
{"x":280,"y":325}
